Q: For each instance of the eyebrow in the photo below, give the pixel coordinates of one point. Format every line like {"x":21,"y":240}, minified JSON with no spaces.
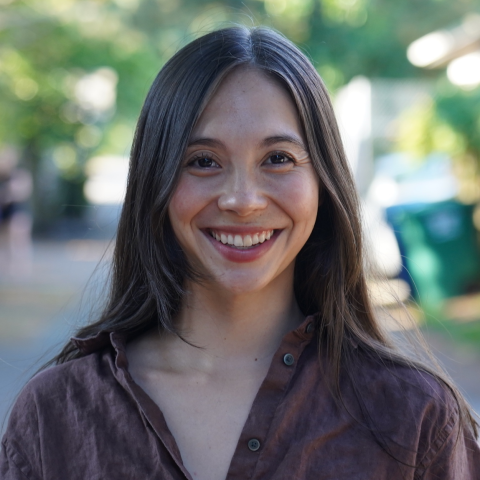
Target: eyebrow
{"x":266,"y":142}
{"x":285,"y":138}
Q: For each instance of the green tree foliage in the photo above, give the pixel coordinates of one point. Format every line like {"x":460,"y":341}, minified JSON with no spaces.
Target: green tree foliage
{"x":460,"y":110}
{"x":449,"y":123}
{"x":47,"y":46}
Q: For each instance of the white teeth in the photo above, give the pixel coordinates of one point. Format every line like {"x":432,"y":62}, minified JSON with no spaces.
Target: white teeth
{"x":238,"y":241}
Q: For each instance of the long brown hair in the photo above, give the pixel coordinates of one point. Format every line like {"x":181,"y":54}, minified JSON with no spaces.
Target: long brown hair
{"x":149,"y":267}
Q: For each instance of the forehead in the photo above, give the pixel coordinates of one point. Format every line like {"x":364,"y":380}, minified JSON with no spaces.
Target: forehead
{"x":248,"y":101}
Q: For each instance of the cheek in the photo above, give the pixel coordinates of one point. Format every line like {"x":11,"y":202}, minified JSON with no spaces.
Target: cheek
{"x":179,"y":207}
{"x":306,"y":196}
{"x":189,"y":199}
{"x":300,"y":200}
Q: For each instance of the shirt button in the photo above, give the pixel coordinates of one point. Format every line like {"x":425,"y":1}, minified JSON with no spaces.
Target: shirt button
{"x":288,"y":359}
{"x":310,"y":327}
{"x":253,"y":444}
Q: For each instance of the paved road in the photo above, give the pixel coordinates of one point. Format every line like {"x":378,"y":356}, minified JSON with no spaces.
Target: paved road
{"x":40,"y":311}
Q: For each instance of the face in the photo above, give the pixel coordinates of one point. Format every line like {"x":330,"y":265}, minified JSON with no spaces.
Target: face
{"x":248,"y":195}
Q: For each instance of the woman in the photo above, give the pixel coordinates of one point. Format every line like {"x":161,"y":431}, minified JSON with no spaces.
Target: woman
{"x":238,"y":341}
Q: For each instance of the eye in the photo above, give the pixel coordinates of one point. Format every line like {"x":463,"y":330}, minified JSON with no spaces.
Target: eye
{"x":204,"y":162}
{"x":279,"y":158}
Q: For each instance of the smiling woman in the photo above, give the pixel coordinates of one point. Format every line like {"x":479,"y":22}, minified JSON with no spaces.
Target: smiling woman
{"x":247,"y":180}
{"x":238,"y":340}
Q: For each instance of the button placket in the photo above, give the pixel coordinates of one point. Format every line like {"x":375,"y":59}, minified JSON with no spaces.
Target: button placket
{"x":265,"y":405}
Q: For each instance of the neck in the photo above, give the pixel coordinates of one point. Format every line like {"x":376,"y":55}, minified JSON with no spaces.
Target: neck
{"x":232,"y":330}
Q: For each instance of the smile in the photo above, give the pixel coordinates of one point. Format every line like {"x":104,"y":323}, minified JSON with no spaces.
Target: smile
{"x":241,"y":241}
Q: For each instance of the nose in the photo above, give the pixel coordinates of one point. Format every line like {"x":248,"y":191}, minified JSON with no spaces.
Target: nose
{"x":242,"y":193}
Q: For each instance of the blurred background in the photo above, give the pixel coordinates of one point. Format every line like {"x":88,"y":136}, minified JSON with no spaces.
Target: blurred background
{"x":405,"y":80}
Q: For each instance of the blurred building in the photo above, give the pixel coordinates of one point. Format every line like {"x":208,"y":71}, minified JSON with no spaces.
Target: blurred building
{"x":367,"y":111}
{"x":457,"y":49}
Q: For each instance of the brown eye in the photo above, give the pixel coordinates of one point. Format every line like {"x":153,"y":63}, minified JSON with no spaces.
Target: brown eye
{"x":279,"y":159}
{"x":205,"y":162}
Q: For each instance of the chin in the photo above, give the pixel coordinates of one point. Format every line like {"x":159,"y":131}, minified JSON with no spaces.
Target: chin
{"x":241,"y":284}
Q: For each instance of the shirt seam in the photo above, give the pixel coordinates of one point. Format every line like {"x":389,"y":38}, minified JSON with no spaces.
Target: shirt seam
{"x":437,"y":445}
{"x":21,"y":464}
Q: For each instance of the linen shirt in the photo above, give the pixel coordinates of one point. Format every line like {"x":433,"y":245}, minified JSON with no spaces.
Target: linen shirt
{"x":88,"y":419}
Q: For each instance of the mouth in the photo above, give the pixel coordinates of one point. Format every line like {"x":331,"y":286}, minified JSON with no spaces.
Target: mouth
{"x":241,"y":242}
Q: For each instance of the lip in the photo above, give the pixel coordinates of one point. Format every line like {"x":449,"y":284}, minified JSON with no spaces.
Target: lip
{"x":236,"y":255}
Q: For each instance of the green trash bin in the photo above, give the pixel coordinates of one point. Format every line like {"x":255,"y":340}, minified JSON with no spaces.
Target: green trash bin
{"x":440,"y":248}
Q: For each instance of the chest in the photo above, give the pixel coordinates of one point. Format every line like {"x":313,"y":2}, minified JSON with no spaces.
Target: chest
{"x":206,"y":416}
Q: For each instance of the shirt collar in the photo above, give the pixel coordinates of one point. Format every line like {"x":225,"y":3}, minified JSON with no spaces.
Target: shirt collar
{"x":105,"y":339}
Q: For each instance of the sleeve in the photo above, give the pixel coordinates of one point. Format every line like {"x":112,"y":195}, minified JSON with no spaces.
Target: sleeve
{"x":20,"y":453}
{"x":454,"y":455}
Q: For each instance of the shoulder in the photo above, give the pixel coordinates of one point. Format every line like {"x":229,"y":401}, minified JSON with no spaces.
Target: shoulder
{"x":72,"y":380}
{"x":396,"y":382}
{"x":411,"y":410}
{"x":51,"y":403}
{"x":56,"y":387}
{"x":404,"y":393}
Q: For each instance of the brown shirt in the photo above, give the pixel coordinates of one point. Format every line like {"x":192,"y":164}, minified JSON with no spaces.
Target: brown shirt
{"x":87,"y":419}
